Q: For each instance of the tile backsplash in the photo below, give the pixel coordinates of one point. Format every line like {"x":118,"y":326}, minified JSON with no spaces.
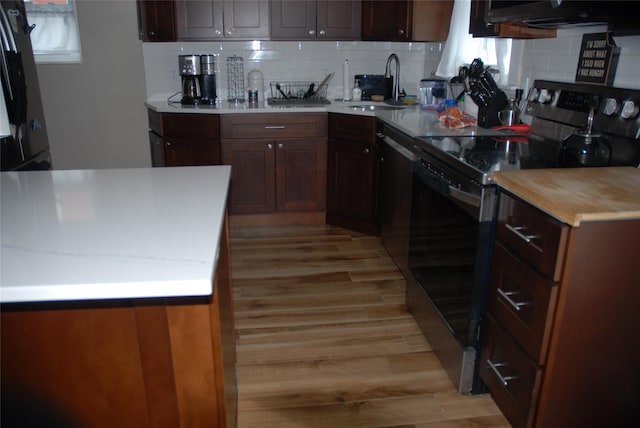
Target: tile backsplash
{"x":557,"y":58}
{"x":552,"y":59}
{"x":298,"y":60}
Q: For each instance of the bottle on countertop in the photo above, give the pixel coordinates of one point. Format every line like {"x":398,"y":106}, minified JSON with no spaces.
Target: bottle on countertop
{"x":255,"y":82}
{"x":356,"y":93}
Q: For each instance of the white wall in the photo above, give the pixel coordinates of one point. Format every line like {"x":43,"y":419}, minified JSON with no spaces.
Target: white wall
{"x":285,"y":61}
{"x":95,"y":110}
{"x":557,"y":59}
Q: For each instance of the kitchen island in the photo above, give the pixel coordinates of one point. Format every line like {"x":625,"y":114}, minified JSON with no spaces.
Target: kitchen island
{"x":116,"y":298}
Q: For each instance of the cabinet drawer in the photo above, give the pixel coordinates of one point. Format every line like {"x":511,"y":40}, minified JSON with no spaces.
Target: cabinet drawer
{"x":184,"y":124}
{"x":513,"y":379}
{"x":267,"y":126}
{"x":190,"y":125}
{"x":352,"y":128}
{"x":522,"y":301}
{"x":532,"y":234}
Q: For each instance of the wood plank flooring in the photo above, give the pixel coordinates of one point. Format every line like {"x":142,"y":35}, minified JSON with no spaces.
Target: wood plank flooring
{"x":324,"y":339}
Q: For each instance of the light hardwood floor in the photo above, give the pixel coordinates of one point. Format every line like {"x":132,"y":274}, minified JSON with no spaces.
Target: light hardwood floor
{"x":324,"y":339}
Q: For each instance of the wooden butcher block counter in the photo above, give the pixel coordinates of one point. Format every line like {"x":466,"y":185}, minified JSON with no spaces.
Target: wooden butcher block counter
{"x":574,"y":195}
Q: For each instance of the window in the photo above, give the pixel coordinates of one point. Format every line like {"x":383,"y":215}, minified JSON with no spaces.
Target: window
{"x":55,"y":37}
{"x":461,"y":47}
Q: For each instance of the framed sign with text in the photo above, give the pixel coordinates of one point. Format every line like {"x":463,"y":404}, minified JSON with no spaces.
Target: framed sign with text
{"x":598,"y":59}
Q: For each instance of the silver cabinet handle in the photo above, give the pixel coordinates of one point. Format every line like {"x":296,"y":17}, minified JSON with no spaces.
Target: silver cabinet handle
{"x":506,"y":295}
{"x":366,"y":151}
{"x":168,"y":144}
{"x":217,"y":32}
{"x":519,"y":234}
{"x":312,"y":32}
{"x":322,"y":32}
{"x":269,"y":146}
{"x":275,"y":127}
{"x":229,"y":32}
{"x":503,"y":379}
{"x":401,"y":32}
{"x":280,"y":145}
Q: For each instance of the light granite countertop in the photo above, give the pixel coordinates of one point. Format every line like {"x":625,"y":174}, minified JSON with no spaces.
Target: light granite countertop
{"x":410,"y":119}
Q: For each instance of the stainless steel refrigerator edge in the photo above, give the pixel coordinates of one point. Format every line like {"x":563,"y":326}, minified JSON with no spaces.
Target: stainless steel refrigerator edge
{"x":28,"y":146}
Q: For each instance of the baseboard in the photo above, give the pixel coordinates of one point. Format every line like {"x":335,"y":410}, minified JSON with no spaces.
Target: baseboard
{"x":278,"y":219}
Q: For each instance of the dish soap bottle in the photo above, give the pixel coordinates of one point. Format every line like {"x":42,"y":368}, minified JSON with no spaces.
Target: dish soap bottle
{"x":356,"y":93}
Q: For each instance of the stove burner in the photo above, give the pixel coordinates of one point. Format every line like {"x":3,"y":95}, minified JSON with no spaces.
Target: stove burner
{"x":482,"y":160}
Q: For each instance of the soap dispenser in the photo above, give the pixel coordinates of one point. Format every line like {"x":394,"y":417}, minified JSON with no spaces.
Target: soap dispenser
{"x":356,"y":93}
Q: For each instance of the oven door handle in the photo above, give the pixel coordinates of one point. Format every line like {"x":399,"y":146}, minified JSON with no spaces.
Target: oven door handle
{"x":464,"y":197}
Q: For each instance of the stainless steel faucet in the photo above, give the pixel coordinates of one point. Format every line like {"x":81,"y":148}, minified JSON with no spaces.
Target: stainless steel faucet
{"x":395,"y":93}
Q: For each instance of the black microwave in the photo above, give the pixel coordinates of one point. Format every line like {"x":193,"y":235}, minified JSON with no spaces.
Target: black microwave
{"x":548,"y":13}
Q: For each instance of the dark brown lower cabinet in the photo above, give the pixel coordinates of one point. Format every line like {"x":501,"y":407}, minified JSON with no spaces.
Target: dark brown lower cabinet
{"x":184,"y":139}
{"x":393,"y":210}
{"x":272,"y":176}
{"x":560,"y":344}
{"x":352,"y":173}
{"x":278,"y":162}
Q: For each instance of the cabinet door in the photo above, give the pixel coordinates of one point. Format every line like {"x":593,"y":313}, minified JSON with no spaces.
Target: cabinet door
{"x":246,"y":19}
{"x":386,"y":20}
{"x":350,"y":185}
{"x":157,"y":149}
{"x":156,"y":21}
{"x":394,"y":204}
{"x":253,"y":177}
{"x":199,"y":19}
{"x":339,"y":19}
{"x":180,"y":151}
{"x":431,"y":20}
{"x":293,"y":19}
{"x":481,"y":28}
{"x":301,"y":175}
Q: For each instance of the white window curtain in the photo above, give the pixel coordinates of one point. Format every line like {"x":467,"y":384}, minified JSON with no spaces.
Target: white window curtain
{"x":461,"y":47}
{"x":55,"y":37}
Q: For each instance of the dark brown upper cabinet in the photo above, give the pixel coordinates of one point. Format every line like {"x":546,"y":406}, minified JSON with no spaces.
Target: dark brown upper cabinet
{"x":222,"y":19}
{"x":479,"y":27}
{"x":156,"y":21}
{"x":406,"y":20}
{"x":315,"y":19}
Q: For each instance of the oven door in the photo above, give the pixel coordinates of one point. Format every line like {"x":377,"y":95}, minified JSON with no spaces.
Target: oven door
{"x":450,"y":246}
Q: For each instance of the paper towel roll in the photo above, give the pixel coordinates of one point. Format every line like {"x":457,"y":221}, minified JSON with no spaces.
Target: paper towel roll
{"x":346,"y":81}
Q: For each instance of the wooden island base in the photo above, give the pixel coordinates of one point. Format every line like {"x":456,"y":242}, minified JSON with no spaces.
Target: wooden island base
{"x":134,"y":363}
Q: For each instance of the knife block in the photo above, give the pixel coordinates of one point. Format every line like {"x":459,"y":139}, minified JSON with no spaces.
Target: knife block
{"x":488,"y":115}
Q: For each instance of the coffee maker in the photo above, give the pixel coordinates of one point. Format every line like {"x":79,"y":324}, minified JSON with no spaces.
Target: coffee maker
{"x":190,"y":71}
{"x":208,"y":79}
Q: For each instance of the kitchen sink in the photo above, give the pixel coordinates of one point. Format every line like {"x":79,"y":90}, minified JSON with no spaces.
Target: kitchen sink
{"x":375,"y":107}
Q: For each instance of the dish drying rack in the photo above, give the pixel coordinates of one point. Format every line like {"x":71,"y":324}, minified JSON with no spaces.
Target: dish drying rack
{"x":299,"y":92}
